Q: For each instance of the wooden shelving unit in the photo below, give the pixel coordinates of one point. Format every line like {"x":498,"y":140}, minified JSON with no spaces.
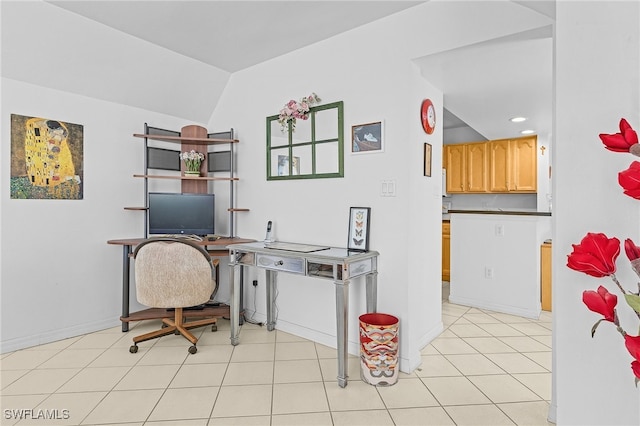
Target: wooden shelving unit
{"x":190,"y":138}
{"x":186,"y":177}
{"x":181,"y":139}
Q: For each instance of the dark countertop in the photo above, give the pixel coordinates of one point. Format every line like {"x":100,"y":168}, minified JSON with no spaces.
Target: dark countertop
{"x":502,"y":212}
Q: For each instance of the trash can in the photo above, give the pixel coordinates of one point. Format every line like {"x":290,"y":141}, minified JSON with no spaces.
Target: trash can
{"x":379,"y":349}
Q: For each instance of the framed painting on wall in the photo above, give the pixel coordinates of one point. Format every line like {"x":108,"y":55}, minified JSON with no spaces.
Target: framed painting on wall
{"x":427,"y":159}
{"x":367,"y":138}
{"x":46,"y":158}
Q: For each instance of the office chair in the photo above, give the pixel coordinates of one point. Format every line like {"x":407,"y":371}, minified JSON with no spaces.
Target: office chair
{"x":173,"y":273}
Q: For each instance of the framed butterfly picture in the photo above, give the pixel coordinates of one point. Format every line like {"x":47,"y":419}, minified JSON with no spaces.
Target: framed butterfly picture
{"x":359,"y":220}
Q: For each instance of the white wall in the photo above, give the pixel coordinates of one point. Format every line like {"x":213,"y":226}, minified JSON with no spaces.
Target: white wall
{"x":337,"y":69}
{"x":59,"y":276}
{"x":597,"y":83}
{"x":316,"y":211}
{"x":491,"y":241}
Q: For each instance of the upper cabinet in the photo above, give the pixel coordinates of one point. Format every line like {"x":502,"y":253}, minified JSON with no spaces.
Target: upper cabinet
{"x":499,"y":166}
{"x":513,"y":165}
{"x":455,"y":163}
{"x":466,"y":166}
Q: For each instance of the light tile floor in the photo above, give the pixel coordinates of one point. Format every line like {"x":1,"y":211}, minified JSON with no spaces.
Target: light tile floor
{"x":486,"y":368}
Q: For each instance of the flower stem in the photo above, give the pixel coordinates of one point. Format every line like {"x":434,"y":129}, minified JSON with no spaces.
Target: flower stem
{"x":615,"y":280}
{"x":624,"y":292}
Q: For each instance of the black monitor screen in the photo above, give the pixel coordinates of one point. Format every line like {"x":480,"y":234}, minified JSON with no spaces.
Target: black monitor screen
{"x":174,"y":213}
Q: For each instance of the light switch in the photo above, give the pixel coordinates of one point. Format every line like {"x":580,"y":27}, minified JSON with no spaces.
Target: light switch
{"x":388,"y":188}
{"x":392,"y":188}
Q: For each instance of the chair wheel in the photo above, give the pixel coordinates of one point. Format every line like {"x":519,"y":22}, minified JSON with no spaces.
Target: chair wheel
{"x":193,"y":349}
{"x":133,"y":349}
{"x":214,"y":328}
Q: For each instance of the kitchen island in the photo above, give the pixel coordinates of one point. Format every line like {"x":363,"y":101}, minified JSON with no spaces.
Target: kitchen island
{"x":495,"y":259}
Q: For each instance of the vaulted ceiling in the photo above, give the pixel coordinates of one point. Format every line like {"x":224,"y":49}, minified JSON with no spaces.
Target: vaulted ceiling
{"x":484,"y":84}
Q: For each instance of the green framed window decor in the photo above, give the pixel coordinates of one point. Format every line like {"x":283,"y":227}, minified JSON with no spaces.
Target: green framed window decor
{"x":316,"y":145}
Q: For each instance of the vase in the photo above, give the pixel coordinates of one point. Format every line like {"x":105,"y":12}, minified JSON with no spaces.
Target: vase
{"x":192,"y":172}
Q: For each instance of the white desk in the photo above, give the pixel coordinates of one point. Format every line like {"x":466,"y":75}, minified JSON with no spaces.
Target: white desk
{"x":336,"y":264}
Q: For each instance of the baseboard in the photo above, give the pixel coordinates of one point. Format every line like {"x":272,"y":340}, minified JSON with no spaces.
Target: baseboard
{"x":11,"y":345}
{"x":533,"y":313}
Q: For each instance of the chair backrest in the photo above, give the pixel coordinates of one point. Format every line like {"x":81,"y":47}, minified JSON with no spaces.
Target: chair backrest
{"x":172,"y":273}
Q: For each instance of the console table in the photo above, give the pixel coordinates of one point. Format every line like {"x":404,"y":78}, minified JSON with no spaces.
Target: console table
{"x":216,"y":248}
{"x":336,"y":264}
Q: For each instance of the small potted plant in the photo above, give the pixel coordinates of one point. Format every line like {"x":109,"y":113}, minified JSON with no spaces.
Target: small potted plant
{"x":192,"y":161}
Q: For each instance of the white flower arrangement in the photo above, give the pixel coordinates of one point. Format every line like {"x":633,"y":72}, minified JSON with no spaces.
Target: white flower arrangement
{"x":293,"y":110}
{"x":192,"y":160}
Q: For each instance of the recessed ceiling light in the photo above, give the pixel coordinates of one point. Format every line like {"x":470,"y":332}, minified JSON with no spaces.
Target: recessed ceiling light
{"x":518,"y":119}
{"x":528,"y":132}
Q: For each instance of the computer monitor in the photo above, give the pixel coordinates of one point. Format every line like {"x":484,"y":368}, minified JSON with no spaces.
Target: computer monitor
{"x":181,"y":214}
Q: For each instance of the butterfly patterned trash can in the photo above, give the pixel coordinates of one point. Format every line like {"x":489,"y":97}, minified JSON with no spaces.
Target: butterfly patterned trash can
{"x":379,"y":349}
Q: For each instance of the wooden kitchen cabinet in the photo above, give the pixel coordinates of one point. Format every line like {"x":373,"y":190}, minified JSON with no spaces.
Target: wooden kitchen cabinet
{"x":513,"y":165}
{"x":446,"y":251}
{"x":455,"y":163}
{"x":466,"y":166}
{"x":545,"y":276}
{"x":476,"y":167}
{"x":498,"y":166}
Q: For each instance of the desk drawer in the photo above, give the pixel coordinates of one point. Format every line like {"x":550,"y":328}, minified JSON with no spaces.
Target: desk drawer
{"x":280,"y":263}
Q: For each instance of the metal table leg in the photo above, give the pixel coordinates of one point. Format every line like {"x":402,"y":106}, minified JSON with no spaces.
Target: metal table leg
{"x":372,"y":292}
{"x":271,"y":277}
{"x":234,"y":280}
{"x":126,"y":268}
{"x":342,"y":322}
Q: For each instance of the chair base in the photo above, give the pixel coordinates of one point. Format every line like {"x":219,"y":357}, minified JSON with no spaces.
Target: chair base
{"x":177,"y":326}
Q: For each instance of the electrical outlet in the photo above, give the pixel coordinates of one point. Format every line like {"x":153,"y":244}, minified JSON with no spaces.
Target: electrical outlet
{"x":488,"y":273}
{"x":255,"y":283}
{"x":499,"y":230}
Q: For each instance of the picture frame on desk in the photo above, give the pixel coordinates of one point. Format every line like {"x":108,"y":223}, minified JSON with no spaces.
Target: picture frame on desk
{"x":359,"y":224}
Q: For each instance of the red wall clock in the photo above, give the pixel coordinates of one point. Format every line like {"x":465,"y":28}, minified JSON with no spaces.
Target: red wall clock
{"x":428,"y":116}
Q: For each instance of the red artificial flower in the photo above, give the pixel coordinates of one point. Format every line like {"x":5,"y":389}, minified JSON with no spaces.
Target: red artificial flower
{"x":595,"y":255}
{"x":635,"y":366}
{"x":629,"y":180}
{"x":620,"y":142}
{"x":633,"y":345}
{"x":632,"y":250}
{"x":601,"y":302}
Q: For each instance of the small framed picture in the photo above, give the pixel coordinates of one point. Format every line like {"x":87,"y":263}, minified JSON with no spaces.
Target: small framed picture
{"x":359,"y":220}
{"x":367,"y":138}
{"x":427,"y":159}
